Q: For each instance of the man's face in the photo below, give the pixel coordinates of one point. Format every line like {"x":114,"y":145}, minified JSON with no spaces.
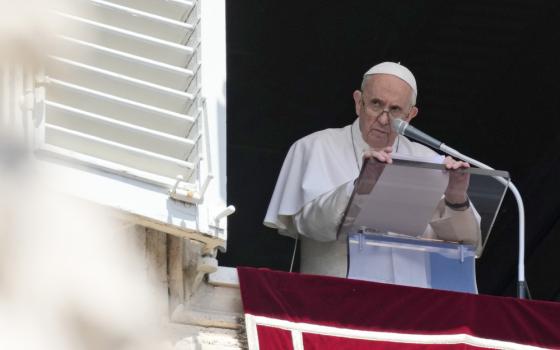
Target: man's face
{"x":382,"y":94}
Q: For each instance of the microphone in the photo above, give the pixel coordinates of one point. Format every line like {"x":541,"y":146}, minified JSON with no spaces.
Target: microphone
{"x":405,"y":129}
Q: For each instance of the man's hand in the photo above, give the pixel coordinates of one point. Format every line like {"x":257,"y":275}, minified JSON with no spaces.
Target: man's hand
{"x":374,"y":169}
{"x":456,"y":191}
{"x":383,"y":155}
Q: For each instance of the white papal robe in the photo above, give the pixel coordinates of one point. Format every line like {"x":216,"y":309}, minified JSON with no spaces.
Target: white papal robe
{"x":314,"y":187}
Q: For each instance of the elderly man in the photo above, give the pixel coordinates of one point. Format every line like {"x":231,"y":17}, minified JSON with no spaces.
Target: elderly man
{"x":317,"y":177}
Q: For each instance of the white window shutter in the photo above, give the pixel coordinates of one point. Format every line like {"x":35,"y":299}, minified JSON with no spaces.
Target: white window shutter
{"x":124,"y":91}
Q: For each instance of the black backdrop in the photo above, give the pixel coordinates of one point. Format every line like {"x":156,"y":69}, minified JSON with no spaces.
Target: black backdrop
{"x":488,"y":85}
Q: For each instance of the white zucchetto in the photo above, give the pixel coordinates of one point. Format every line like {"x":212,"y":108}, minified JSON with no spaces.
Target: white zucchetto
{"x":395,"y":69}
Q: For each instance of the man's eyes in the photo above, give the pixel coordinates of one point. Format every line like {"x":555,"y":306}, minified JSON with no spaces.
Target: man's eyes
{"x":378,"y":105}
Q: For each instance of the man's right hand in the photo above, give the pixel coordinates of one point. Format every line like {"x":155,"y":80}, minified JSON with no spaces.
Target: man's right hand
{"x":383,"y":155}
{"x":374,"y":169}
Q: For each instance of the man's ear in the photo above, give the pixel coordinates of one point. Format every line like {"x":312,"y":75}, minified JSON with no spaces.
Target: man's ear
{"x":413,"y":113}
{"x":357,"y":101}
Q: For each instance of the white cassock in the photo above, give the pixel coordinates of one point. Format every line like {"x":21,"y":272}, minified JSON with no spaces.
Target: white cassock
{"x":313,"y":190}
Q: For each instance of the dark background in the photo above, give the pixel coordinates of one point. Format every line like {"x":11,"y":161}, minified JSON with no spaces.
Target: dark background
{"x":488,"y":85}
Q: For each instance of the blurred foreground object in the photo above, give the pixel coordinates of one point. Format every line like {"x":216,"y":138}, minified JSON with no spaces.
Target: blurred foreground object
{"x":111,"y":203}
{"x":69,"y":279}
{"x":26,"y":30}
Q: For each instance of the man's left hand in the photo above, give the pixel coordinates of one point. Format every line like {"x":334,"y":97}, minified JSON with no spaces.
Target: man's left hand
{"x":456,"y":191}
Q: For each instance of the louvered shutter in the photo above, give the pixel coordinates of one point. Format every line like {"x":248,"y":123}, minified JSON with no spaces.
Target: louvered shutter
{"x":124,"y":90}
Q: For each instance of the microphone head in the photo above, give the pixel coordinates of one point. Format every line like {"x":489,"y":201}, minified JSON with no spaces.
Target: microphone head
{"x":399,"y":125}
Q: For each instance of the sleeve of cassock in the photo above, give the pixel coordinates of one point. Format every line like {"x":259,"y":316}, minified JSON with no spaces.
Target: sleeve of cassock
{"x":319,"y":219}
{"x":456,"y":225}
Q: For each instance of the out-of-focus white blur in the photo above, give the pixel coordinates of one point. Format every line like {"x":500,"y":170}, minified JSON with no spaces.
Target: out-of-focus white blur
{"x":25,"y":29}
{"x":69,"y":275}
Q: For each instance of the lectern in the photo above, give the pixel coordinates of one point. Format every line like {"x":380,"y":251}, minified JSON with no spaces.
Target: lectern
{"x":393,"y":229}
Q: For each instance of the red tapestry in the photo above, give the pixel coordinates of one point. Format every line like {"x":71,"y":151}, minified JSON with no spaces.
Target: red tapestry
{"x":296,"y":311}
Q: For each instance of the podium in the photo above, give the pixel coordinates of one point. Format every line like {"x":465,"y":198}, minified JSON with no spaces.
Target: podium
{"x":400,"y":230}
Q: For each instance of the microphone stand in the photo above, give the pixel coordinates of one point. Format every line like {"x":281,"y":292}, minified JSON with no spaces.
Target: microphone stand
{"x":403,"y":128}
{"x":521,"y":282}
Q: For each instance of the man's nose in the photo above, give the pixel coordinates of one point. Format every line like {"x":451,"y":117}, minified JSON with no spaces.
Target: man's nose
{"x":383,"y":118}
